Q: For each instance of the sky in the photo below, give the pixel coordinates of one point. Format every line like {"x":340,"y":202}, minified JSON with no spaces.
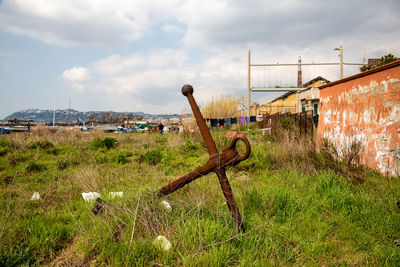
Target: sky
{"x":136,"y":55}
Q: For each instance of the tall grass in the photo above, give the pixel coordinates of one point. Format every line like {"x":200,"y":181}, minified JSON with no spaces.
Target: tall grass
{"x":222,"y":106}
{"x":297,"y":208}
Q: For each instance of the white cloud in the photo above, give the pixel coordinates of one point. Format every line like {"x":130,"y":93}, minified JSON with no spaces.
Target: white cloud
{"x":296,"y":23}
{"x":76,"y":74}
{"x":156,"y":78}
{"x":77,"y":77}
{"x":213,"y":38}
{"x":207,"y":25}
{"x":173,"y":28}
{"x":83,"y":21}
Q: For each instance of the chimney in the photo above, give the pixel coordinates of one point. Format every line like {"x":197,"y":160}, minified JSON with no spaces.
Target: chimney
{"x":299,"y":76}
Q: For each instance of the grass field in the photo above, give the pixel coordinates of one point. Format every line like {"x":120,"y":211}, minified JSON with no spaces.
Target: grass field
{"x":299,"y":207}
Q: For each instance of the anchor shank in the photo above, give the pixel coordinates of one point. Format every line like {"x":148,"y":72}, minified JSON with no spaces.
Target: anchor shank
{"x":187,"y":90}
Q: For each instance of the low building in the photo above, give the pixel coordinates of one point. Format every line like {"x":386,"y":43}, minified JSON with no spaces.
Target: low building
{"x":308,"y":99}
{"x":365,"y":108}
{"x":294,"y":102}
{"x":282,"y":104}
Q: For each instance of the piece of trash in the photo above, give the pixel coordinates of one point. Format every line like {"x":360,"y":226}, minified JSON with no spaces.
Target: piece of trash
{"x":116,"y":194}
{"x":90,"y":196}
{"x":98,"y":206}
{"x":166,"y":205}
{"x":35,"y":196}
{"x":161,"y":242}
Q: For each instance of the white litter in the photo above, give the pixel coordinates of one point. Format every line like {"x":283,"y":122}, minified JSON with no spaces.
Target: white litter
{"x":161,"y":242}
{"x":116,"y":194}
{"x":166,"y":205}
{"x":90,"y":196}
{"x":35,"y":196}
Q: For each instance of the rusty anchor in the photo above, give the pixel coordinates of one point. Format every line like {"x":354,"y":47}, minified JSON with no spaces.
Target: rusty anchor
{"x":217,"y":162}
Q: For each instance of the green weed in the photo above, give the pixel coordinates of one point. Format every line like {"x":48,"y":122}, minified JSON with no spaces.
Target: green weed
{"x":297,"y":206}
{"x":43,"y":144}
{"x":106,"y":142}
{"x":151,"y":157}
{"x":35,"y":167}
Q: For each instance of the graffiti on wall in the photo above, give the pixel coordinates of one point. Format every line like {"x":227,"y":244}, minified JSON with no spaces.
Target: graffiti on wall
{"x":365,"y":110}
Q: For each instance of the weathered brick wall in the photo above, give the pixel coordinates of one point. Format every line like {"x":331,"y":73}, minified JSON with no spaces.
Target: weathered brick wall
{"x":365,"y":109}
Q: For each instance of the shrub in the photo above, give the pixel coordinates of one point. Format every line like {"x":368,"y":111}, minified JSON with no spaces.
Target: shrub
{"x":109,"y":142}
{"x":190,"y":147}
{"x":4,"y":147}
{"x":96,"y":143}
{"x":62,"y":164}
{"x":53,"y":151}
{"x":106,"y":142}
{"x":43,"y":144}
{"x":122,"y":156}
{"x":287,"y":123}
{"x":3,"y":151}
{"x":3,"y":166}
{"x":4,"y":143}
{"x":151,"y":157}
{"x":102,"y":159}
{"x":16,"y":158}
{"x":345,"y":162}
{"x":35,"y":166}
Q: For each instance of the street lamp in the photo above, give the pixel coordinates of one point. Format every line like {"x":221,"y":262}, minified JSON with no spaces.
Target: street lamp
{"x":340,"y":48}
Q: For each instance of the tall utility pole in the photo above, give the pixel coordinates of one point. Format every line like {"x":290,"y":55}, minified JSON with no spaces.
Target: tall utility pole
{"x":69,"y":109}
{"x":364,"y":57}
{"x":248,"y":85}
{"x":341,"y":60}
{"x":54,"y":115}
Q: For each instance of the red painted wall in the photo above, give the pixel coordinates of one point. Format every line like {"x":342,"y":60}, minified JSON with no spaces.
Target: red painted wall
{"x":365,"y":108}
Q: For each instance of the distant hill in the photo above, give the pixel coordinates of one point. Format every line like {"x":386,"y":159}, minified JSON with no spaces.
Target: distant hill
{"x":73,"y":115}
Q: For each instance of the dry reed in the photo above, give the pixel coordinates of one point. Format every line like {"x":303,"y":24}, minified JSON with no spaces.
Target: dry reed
{"x":222,"y":106}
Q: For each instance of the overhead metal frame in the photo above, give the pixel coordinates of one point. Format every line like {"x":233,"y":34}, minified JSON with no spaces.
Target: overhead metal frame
{"x":287,"y":89}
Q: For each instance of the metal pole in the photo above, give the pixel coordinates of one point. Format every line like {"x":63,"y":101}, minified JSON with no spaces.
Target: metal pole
{"x":248,"y":84}
{"x":187,"y":90}
{"x":341,"y":62}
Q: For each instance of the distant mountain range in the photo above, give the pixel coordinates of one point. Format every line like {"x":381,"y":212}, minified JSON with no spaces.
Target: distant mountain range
{"x":72,"y":115}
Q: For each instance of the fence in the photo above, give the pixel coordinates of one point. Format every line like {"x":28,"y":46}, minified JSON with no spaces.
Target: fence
{"x":304,"y":120}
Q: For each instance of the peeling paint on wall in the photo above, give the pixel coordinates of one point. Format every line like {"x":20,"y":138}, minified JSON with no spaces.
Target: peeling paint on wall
{"x":365,"y":109}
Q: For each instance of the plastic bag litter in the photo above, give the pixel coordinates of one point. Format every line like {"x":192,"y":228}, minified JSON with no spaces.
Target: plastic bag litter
{"x":116,"y":194}
{"x":166,"y":205}
{"x":35,"y":196}
{"x":90,"y":196}
{"x":161,"y":242}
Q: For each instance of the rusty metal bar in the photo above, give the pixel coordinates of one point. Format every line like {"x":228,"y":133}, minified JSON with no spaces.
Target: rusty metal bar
{"x":217,"y":162}
{"x":187,"y":90}
{"x":230,"y":201}
{"x":184,"y":180}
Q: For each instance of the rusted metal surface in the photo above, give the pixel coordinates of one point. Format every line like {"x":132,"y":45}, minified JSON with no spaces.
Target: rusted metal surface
{"x":217,"y":162}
